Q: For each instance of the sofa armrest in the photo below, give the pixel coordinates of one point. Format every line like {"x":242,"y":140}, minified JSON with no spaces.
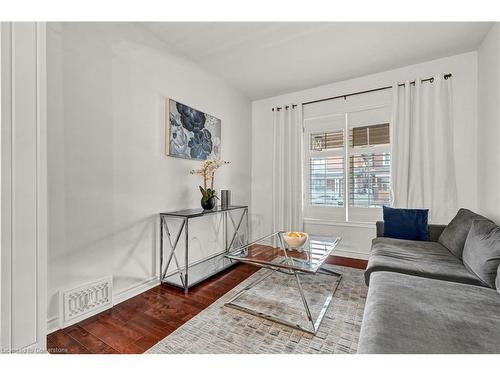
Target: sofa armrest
{"x":435,"y":230}
{"x":380,"y":229}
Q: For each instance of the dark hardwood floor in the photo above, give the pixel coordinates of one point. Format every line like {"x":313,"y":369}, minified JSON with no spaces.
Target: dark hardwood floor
{"x":135,"y":325}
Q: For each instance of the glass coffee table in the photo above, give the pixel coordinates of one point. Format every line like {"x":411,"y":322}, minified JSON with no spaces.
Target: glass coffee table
{"x":297,"y":265}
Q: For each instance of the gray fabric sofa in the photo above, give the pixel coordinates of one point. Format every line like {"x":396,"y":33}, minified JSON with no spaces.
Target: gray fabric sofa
{"x":420,"y":258}
{"x":411,"y":314}
{"x":422,"y":299}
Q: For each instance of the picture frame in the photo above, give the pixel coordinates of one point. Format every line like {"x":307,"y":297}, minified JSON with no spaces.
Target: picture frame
{"x":191,"y":133}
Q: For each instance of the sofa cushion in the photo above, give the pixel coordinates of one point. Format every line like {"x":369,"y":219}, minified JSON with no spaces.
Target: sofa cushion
{"x":405,"y":224}
{"x":420,"y":258}
{"x":455,"y":233}
{"x":481,"y":253}
{"x":434,"y":230}
{"x":408,"y":314}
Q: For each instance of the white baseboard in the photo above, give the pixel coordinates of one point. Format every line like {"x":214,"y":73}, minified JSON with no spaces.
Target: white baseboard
{"x":136,"y":289}
{"x":54,"y":324}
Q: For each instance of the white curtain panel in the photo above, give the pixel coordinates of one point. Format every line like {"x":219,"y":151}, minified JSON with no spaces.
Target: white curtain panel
{"x":422,"y":155}
{"x":287,"y":169}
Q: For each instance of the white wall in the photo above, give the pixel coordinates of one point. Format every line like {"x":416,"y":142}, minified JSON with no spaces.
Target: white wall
{"x":489,"y":125}
{"x":357,"y":238}
{"x":108,"y":174}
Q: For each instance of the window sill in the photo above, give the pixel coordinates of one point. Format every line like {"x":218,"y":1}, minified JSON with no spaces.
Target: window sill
{"x":337,"y":223}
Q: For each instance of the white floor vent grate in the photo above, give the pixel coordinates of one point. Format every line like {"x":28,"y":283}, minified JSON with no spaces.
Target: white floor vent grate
{"x":87,"y":300}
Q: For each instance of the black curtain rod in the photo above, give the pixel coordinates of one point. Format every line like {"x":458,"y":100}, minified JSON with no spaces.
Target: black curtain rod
{"x":286,"y":107}
{"x":446,"y":76}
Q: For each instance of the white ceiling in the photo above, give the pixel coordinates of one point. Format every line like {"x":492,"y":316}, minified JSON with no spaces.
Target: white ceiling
{"x":262,"y":59}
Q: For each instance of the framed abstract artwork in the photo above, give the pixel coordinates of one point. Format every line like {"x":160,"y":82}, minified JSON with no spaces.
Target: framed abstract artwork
{"x":191,"y":134}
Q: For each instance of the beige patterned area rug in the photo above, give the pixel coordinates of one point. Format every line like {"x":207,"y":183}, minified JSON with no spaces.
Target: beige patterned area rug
{"x":221,"y":329}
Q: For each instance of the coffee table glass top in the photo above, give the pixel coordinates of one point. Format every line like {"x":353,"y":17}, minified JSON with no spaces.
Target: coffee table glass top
{"x":308,"y":258}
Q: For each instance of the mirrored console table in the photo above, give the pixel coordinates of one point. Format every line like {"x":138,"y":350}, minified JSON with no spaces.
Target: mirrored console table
{"x":186,"y":275}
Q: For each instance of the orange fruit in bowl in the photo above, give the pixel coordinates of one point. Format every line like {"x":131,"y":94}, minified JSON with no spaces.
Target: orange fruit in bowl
{"x":295,"y":239}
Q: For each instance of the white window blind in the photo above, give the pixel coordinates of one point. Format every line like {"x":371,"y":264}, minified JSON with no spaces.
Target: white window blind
{"x":369,"y":184}
{"x":326,"y":181}
{"x":326,"y":168}
{"x":369,"y":166}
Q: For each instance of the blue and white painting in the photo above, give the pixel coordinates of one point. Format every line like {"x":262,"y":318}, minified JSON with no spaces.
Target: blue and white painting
{"x":192,"y":134}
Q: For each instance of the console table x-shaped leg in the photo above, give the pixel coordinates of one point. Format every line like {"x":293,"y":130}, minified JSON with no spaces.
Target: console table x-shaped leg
{"x":183,"y":270}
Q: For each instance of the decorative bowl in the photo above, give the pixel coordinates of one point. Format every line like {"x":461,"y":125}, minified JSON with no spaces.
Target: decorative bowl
{"x":295,"y":239}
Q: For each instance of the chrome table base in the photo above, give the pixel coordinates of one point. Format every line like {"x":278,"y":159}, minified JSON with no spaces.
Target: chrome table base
{"x":315,"y":323}
{"x":183,"y":270}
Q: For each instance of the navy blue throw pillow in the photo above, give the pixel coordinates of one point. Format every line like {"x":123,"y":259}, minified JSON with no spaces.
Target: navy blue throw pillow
{"x":406,"y":224}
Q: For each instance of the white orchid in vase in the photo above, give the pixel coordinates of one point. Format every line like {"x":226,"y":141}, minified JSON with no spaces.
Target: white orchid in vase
{"x":207,"y":171}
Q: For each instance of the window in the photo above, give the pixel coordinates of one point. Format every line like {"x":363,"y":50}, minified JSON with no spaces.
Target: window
{"x":326,"y":178}
{"x":369,"y":166}
{"x":347,"y":165}
{"x":327,"y":140}
{"x":327,"y":181}
{"x":369,"y":180}
{"x":369,"y":135}
{"x":326,"y":168}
